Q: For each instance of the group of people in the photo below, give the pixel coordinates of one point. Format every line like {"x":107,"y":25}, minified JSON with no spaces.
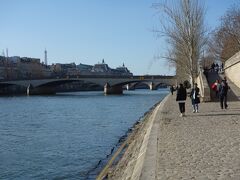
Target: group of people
{"x":217,"y":68}
{"x":221,"y":90}
{"x":182,"y":96}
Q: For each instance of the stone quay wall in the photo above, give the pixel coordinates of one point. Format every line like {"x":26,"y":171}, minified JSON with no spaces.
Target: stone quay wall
{"x":232,"y":69}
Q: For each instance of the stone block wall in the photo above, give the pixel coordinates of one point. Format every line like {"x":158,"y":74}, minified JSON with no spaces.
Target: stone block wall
{"x":232,"y":69}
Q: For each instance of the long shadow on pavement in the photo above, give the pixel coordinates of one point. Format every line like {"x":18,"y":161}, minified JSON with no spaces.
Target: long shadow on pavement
{"x":226,"y":114}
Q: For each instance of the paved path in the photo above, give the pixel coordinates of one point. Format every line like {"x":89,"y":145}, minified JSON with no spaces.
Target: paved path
{"x":203,"y":145}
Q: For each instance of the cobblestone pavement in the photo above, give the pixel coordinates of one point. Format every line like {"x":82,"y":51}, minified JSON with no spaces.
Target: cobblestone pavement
{"x":203,"y":145}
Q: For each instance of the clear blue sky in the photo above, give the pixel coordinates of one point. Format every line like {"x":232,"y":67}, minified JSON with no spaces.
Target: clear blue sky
{"x":86,"y":31}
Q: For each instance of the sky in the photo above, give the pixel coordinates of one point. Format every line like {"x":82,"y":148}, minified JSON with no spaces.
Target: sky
{"x":87,"y":31}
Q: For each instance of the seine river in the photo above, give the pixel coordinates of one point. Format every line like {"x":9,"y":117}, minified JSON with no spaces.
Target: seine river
{"x":66,"y":135}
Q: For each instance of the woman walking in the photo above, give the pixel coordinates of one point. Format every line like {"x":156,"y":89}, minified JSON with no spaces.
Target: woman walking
{"x":195,"y":98}
{"x":181,"y":98}
{"x":215,"y":87}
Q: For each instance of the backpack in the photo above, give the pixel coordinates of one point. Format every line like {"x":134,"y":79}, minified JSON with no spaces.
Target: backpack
{"x":214,"y":87}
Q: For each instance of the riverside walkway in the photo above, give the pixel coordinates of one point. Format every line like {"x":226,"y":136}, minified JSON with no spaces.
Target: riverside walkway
{"x":204,"y":145}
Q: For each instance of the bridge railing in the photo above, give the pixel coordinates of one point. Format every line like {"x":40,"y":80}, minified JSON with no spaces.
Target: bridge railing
{"x":66,"y":77}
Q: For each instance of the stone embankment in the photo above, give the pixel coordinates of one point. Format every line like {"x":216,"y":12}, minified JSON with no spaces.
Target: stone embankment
{"x":133,"y":161}
{"x":231,"y":69}
{"x":203,"y":145}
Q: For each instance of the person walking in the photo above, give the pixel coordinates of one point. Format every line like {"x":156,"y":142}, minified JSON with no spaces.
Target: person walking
{"x":195,"y":97}
{"x":217,"y":67}
{"x":215,"y":87}
{"x":223,"y":90}
{"x":171,"y":89}
{"x":213,"y":67}
{"x":181,"y":98}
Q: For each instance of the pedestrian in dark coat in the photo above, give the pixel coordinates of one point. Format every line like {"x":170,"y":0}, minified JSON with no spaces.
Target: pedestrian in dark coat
{"x":181,"y":98}
{"x":195,"y":97}
{"x":171,"y":89}
{"x":223,"y":91}
{"x":222,"y":67}
{"x":213,"y":67}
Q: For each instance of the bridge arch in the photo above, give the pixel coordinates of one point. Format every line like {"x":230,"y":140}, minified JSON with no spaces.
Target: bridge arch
{"x":51,"y":87}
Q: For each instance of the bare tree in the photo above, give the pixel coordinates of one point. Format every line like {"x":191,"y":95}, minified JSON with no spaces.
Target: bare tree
{"x":226,"y":37}
{"x":183,"y":27}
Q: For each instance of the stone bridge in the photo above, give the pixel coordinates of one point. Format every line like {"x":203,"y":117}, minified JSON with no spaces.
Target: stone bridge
{"x":112,"y":85}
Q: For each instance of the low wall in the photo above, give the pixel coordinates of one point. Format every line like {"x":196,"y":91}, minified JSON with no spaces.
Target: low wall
{"x":232,"y":69}
{"x":203,"y":86}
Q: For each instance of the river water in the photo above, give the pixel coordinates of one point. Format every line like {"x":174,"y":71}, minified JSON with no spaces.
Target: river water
{"x":64,"y":136}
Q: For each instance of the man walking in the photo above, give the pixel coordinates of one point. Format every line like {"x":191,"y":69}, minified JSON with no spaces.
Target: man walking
{"x":223,"y":90}
{"x":171,"y":89}
{"x":181,"y":98}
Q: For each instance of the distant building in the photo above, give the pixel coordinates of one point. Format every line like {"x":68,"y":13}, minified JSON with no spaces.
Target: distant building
{"x":14,"y":59}
{"x":84,"y":67}
{"x":2,"y":68}
{"x":23,"y":68}
{"x":30,"y":68}
{"x":46,"y":71}
{"x":16,"y":67}
{"x":30,"y":60}
{"x":64,"y":70}
{"x":102,"y":69}
{"x":2,"y":60}
{"x":123,"y":70}
{"x":8,"y":68}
